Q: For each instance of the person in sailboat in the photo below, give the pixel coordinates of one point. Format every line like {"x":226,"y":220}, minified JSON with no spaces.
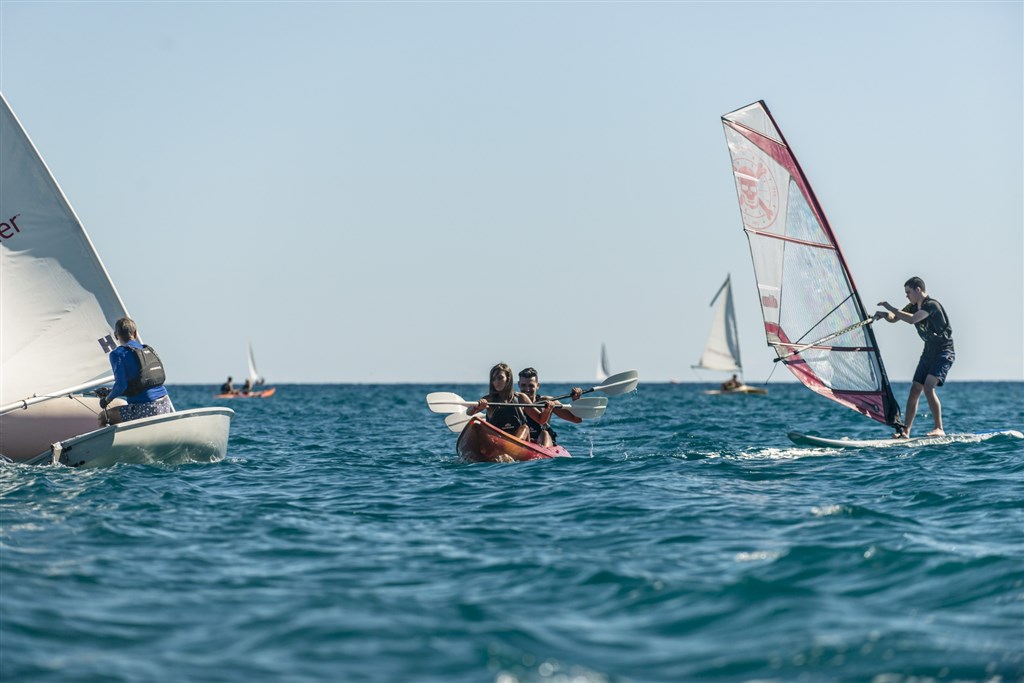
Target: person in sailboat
{"x":228,"y":387}
{"x":731,"y":384}
{"x":138,"y":378}
{"x":544,"y":434}
{"x":929,"y":317}
{"x":511,"y":419}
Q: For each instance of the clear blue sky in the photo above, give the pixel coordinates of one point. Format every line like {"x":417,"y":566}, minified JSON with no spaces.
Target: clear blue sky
{"x":379,"y":192}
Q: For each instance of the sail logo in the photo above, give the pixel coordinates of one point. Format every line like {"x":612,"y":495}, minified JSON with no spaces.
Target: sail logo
{"x":769,"y":301}
{"x":9,"y":227}
{"x":758,"y":192}
{"x":107,"y":344}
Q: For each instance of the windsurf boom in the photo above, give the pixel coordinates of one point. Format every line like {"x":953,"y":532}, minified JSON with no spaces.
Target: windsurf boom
{"x":813,"y":316}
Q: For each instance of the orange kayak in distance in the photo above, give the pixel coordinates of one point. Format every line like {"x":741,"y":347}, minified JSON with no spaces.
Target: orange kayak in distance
{"x":481,"y":441}
{"x":265,"y":393}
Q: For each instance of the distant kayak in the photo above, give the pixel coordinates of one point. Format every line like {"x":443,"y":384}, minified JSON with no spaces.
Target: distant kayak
{"x":481,"y":441}
{"x":264,"y":393}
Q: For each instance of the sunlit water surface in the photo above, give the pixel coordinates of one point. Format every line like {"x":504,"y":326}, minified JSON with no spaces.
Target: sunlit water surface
{"x":686,"y":540}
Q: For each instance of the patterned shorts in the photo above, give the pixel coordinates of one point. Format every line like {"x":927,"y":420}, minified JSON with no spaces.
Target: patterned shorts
{"x":135,"y":411}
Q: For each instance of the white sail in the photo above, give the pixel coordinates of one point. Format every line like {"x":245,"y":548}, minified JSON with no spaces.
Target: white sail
{"x":254,"y":375}
{"x":722,"y":351}
{"x":603,"y":368}
{"x":814,"y":318}
{"x":57,"y":303}
{"x":57,"y":309}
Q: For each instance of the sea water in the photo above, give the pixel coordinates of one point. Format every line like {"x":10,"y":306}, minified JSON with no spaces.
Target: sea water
{"x":686,"y":540}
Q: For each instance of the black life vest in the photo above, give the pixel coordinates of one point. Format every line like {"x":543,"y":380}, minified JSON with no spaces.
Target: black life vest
{"x":507,"y":418}
{"x":536,"y":428}
{"x":151,"y":371}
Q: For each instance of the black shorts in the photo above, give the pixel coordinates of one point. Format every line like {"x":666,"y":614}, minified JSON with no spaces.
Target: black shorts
{"x":934,"y":364}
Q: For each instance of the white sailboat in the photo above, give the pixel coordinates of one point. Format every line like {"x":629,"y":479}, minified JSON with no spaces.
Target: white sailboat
{"x":603,"y":368}
{"x":256,"y":381}
{"x":722,"y":350}
{"x":57,"y":311}
{"x":254,"y":375}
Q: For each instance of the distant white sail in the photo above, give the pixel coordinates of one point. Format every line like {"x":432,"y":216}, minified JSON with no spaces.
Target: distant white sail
{"x":722,"y":351}
{"x":254,"y":375}
{"x":57,"y":303}
{"x":603,"y":367}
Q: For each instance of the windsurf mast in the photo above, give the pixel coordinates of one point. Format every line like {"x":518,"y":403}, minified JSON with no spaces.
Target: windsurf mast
{"x":813,"y":316}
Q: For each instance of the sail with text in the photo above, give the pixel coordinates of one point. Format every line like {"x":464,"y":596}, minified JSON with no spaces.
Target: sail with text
{"x":813,"y":316}
{"x":57,"y":303}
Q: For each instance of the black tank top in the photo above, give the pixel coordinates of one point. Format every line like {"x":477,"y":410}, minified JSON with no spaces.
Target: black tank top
{"x":507,"y":418}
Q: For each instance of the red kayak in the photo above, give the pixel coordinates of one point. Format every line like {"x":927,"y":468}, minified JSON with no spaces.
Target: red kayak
{"x":481,"y":441}
{"x":265,"y":393}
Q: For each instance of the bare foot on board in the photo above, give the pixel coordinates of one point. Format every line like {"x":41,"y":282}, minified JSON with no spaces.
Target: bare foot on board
{"x":936,"y":432}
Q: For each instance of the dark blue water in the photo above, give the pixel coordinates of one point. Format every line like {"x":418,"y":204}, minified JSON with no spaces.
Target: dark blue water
{"x":687,"y":540}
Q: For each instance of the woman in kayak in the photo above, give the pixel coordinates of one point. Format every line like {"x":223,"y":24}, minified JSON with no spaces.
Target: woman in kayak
{"x":511,"y":419}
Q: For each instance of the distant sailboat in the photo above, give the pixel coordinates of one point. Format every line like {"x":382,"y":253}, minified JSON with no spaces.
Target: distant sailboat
{"x":254,"y":383}
{"x":57,"y":309}
{"x":722,"y":350}
{"x":254,"y":375}
{"x":604,"y":370}
{"x":255,"y":380}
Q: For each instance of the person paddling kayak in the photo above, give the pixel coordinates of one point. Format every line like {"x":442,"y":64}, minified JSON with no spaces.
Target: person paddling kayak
{"x":511,"y":419}
{"x":544,"y":434}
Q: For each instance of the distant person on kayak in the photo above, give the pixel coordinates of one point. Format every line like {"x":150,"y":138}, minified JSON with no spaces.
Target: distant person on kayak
{"x":731,"y":384}
{"x":544,"y":434}
{"x":227,"y":387}
{"x":247,"y":387}
{"x":932,"y":323}
{"x":511,"y":419}
{"x":138,"y":377}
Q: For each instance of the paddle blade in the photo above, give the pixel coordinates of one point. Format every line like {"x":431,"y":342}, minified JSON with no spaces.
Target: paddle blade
{"x":458,"y":421}
{"x":447,"y":402}
{"x":622,"y":383}
{"x":588,"y":408}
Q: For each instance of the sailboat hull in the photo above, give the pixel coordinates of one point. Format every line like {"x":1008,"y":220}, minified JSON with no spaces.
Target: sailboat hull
{"x":199,"y":435}
{"x":26,"y":433}
{"x":481,"y":441}
{"x":742,"y":389}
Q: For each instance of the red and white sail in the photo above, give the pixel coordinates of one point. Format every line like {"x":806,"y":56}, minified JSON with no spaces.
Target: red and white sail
{"x":813,"y":316}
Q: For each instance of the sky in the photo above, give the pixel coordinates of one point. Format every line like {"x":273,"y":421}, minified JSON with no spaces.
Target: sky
{"x":412,"y":192}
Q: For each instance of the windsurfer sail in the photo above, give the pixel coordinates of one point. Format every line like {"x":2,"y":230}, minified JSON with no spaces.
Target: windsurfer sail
{"x":813,"y":315}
